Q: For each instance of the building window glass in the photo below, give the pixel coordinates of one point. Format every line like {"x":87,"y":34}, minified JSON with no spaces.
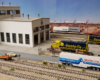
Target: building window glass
{"x":41,"y":27}
{"x":47,"y":26}
{"x":36,"y":29}
{"x":16,"y":11}
{"x":2,"y":12}
{"x":2,"y":37}
{"x":27,"y":38}
{"x":14,"y":37}
{"x":8,"y":37}
{"x":9,"y":12}
{"x":20,"y":38}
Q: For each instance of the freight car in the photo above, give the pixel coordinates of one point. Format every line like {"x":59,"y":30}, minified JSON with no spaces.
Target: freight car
{"x":79,"y":60}
{"x":66,"y":29}
{"x":71,"y":45}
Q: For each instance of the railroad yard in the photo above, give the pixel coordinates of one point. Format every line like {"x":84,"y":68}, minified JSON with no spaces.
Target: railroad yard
{"x":18,"y":69}
{"x":94,"y":48}
{"x":30,"y":70}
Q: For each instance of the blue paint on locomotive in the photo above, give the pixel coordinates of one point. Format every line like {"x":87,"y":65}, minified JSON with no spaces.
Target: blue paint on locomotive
{"x":91,"y":37}
{"x":75,"y":43}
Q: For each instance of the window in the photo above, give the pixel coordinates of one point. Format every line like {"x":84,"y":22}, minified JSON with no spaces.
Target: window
{"x":41,"y":27}
{"x":8,"y":37}
{"x":9,"y":12}
{"x":2,"y":37}
{"x":2,"y":12}
{"x":27,"y":38}
{"x":36,"y":29}
{"x":14,"y":37}
{"x":16,"y":11}
{"x":20,"y":38}
{"x":47,"y":26}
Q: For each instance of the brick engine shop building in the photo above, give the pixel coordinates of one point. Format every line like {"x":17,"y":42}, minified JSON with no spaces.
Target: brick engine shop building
{"x":22,"y":31}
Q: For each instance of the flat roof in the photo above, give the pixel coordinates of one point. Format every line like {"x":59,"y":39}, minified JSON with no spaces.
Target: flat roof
{"x":8,"y":6}
{"x":22,"y":19}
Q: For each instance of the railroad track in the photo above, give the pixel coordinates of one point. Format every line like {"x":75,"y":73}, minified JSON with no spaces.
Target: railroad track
{"x":20,"y":75}
{"x":41,"y":72}
{"x":91,"y":75}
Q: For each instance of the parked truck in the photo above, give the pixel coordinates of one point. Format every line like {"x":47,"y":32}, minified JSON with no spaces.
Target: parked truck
{"x":8,"y":56}
{"x":80,"y":60}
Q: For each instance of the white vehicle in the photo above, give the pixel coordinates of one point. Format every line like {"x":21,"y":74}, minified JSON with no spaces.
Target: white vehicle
{"x":79,"y":60}
{"x":60,"y":28}
{"x":74,"y":29}
{"x":12,"y":54}
{"x":67,"y":29}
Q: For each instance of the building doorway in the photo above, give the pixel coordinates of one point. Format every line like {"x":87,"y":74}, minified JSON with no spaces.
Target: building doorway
{"x":47,"y":35}
{"x":35,"y":39}
{"x":41,"y":37}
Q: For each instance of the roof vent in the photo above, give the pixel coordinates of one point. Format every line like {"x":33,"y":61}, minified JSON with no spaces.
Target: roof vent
{"x":28,"y":16}
{"x":2,"y":3}
{"x":38,"y":15}
{"x":9,"y":3}
{"x":23,"y":14}
{"x":12,"y":16}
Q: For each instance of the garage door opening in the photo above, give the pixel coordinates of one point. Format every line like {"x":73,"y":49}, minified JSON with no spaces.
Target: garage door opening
{"x":47,"y":35}
{"x":35,"y":39}
{"x":41,"y":37}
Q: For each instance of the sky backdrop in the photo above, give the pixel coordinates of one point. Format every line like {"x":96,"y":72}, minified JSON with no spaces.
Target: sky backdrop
{"x":60,"y":10}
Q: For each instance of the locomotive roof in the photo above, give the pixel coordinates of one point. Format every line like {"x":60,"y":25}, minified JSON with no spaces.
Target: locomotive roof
{"x":74,"y":41}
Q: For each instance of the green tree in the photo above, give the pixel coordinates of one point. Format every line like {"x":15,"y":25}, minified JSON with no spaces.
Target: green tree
{"x":45,"y":63}
{"x":83,"y":70}
{"x":12,"y":69}
{"x":64,"y":66}
{"x":98,"y":79}
{"x":59,"y":65}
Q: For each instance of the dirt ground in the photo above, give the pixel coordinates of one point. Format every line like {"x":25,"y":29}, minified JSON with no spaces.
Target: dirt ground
{"x":94,"y":48}
{"x":5,"y":77}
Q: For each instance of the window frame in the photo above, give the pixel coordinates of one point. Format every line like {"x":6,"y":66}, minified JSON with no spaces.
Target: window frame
{"x":8,"y":37}
{"x":3,"y":37}
{"x":2,"y":13}
{"x":10,"y":13}
{"x":27,"y":39}
{"x":13,"y":38}
{"x":15,"y":11}
{"x":19,"y":38}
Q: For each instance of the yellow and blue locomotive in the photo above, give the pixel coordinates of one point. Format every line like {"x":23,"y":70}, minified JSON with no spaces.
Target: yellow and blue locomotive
{"x":71,"y":45}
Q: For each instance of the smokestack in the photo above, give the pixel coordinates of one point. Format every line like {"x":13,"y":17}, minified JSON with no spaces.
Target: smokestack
{"x":38,"y":15}
{"x":23,"y":14}
{"x":28,"y":16}
{"x":12,"y":16}
{"x":2,"y":3}
{"x":9,"y":3}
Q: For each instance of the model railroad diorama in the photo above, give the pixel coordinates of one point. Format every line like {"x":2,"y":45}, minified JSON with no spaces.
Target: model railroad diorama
{"x":77,"y":53}
{"x":55,"y":71}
